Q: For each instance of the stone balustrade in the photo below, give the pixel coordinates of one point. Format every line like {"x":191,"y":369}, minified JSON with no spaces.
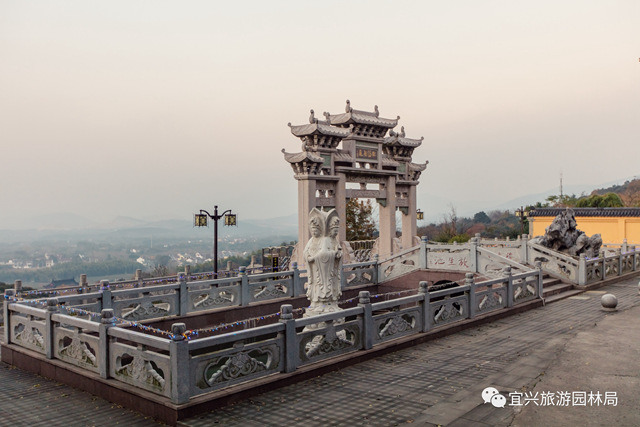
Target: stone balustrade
{"x":179,"y":366}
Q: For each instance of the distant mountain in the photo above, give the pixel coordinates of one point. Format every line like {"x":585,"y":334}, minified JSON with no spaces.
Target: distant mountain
{"x":437,"y":206}
{"x":58,"y":221}
{"x":72,"y":226}
{"x":66,"y":226}
{"x":629,"y":192}
{"x":122,"y":222}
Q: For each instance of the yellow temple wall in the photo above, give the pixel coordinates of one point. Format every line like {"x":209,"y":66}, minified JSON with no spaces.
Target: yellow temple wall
{"x":612,"y":229}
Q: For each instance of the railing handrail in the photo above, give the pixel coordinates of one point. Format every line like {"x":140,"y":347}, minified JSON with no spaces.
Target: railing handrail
{"x":551,"y":252}
{"x":400,"y":254}
{"x":504,"y":260}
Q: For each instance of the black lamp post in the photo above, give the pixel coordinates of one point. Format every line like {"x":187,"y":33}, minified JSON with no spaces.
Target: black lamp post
{"x":522,"y":215}
{"x":201,"y":220}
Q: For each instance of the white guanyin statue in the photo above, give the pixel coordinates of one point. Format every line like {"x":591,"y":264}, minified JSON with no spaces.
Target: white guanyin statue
{"x":323,"y":257}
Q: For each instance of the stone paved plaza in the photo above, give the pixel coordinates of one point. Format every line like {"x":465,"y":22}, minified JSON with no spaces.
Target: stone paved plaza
{"x":435,"y":383}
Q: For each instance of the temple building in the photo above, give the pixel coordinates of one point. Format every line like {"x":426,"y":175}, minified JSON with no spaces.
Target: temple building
{"x":357,"y":147}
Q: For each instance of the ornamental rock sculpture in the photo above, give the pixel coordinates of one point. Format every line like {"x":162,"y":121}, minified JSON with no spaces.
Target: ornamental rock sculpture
{"x":563,"y":236}
{"x":323,"y":257}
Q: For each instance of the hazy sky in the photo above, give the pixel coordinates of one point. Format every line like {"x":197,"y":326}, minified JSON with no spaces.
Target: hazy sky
{"x":160,"y":108}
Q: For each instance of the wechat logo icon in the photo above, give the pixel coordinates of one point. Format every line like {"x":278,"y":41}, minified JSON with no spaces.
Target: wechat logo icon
{"x":491,"y":394}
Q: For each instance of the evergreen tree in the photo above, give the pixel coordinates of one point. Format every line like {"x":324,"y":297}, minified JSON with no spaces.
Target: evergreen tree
{"x":360,"y":225}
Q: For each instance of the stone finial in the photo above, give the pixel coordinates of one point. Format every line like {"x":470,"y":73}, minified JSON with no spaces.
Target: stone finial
{"x":107,"y":316}
{"x":52,"y":304}
{"x":312,"y":117}
{"x":286,"y":312}
{"x":294,"y":265}
{"x":327,"y":117}
{"x":181,"y":277}
{"x":178,"y":330}
{"x":104,"y":284}
{"x":468,"y":279}
{"x":364,"y":297}
{"x":424,"y":287}
{"x":609,"y":302}
{"x":17,"y":285}
{"x":375,"y":110}
{"x":348,"y":108}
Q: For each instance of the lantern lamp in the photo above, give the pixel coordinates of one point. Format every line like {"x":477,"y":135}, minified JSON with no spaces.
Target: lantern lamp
{"x":230,"y":219}
{"x":200,"y":220}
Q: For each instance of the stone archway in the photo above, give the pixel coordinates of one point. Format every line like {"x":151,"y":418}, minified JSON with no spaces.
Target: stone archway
{"x":357,"y":147}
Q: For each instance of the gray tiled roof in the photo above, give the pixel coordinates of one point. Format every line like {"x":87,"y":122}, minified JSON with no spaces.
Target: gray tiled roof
{"x":362,"y":117}
{"x":299,"y":157}
{"x":400,"y":140}
{"x":611,"y":212}
{"x":319,"y":128}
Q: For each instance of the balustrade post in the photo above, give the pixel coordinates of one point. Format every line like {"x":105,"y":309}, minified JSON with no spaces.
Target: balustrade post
{"x":620,"y":264}
{"x":52,"y":307}
{"x":138,"y":278}
{"x":82,"y":285}
{"x":290,"y":338}
{"x":367,"y":319}
{"x":298,"y":288}
{"x":635,"y":257}
{"x":105,"y":292}
{"x":426,"y":306}
{"x":539,"y":268}
{"x":524,"y":249}
{"x":184,"y":295}
{"x":376,"y":271}
{"x":625,"y":247}
{"x":179,"y":354}
{"x":245,"y":294}
{"x":423,"y":252}
{"x":17,"y":287}
{"x":582,"y":270}
{"x":506,"y":272}
{"x":107,"y":320}
{"x":473,"y":254}
{"x":187,"y":272}
{"x":473,"y":304}
{"x":9,"y":295}
{"x":603,"y":270}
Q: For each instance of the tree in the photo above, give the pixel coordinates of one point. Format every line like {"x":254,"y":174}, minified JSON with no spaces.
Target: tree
{"x":453,"y":228}
{"x":481,"y":217}
{"x":160,"y":271}
{"x":609,"y":200}
{"x":359,"y":224}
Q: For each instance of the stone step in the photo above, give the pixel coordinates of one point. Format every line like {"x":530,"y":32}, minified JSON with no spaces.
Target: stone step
{"x":562,"y":295}
{"x":556,"y":289}
{"x":549,"y":281}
